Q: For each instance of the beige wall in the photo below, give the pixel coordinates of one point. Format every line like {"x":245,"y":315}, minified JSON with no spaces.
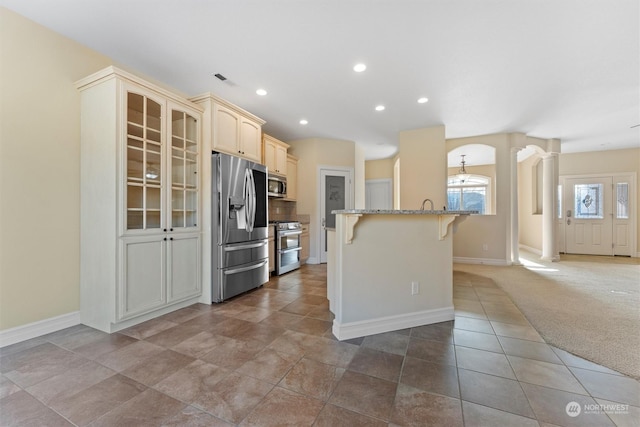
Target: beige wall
{"x":359,"y":177}
{"x":313,"y":153}
{"x":379,"y":169}
{"x":40,"y":170}
{"x":599,"y":162}
{"x":423,"y":167}
{"x":492,"y":232}
{"x":603,"y":162}
{"x":484,"y":170}
{"x":529,"y":223}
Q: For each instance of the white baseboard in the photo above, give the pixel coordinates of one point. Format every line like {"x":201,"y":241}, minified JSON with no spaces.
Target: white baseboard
{"x":487,"y":261}
{"x":39,"y":328}
{"x":362,"y":328}
{"x":312,"y":260}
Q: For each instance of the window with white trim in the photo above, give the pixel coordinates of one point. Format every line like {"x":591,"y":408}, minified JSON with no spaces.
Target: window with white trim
{"x":474,"y":193}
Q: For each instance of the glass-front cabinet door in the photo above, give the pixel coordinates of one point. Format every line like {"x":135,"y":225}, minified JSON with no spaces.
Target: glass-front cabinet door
{"x":184,"y":170}
{"x":144,"y":162}
{"x":157,"y":171}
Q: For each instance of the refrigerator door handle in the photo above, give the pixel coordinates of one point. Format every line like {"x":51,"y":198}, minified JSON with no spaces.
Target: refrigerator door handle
{"x":243,"y":269}
{"x":254,"y":201}
{"x":243,"y":247}
{"x":247,"y":199}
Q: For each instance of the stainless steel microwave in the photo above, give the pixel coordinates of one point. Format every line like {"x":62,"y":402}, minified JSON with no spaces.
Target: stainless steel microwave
{"x":277,"y":186}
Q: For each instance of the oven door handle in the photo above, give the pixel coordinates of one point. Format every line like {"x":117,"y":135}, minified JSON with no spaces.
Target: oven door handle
{"x":289,"y":233}
{"x":285,"y":251}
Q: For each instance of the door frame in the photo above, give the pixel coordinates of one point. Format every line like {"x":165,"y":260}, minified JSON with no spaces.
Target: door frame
{"x":350,"y":188}
{"x":633,"y":217}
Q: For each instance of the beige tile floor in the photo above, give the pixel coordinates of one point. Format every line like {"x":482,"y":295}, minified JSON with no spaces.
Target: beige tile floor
{"x":268,"y":358}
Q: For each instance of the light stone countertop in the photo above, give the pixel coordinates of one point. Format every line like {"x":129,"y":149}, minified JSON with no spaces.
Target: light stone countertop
{"x":401,"y":212}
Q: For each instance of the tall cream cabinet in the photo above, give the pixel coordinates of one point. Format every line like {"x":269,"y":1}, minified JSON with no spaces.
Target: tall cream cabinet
{"x":292,"y":178}
{"x":275,"y":155}
{"x":233,"y":130}
{"x":140,"y":201}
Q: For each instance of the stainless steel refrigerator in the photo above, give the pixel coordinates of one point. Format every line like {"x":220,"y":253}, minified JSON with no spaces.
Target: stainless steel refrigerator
{"x":239,"y":226}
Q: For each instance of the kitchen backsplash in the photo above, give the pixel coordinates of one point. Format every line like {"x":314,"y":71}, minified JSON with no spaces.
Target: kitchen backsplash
{"x":279,"y":210}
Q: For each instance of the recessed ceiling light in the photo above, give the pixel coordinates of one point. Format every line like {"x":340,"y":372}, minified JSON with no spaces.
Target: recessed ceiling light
{"x":358,"y":68}
{"x":304,"y":122}
{"x":379,"y":107}
{"x":261,"y":92}
{"x":423,"y":100}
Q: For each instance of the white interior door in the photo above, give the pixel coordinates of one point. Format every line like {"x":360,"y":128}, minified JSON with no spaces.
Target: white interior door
{"x":589,"y":215}
{"x":378,"y":194}
{"x":335,"y":194}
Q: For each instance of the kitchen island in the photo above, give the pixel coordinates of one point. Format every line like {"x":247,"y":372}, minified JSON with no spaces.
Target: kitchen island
{"x":390,"y":269}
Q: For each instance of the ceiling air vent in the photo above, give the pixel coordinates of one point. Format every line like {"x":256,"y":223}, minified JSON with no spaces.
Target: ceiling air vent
{"x":220,"y":76}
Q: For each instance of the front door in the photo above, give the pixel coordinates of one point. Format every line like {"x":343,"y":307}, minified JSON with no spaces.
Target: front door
{"x":589,"y":215}
{"x":335,"y":194}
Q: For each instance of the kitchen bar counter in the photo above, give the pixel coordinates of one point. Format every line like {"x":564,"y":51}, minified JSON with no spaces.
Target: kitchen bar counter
{"x":390,"y":270}
{"x":402,"y":212}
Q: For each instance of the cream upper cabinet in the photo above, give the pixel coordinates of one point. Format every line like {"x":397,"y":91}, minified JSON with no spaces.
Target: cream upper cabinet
{"x":226,"y":130}
{"x":232,"y":130}
{"x":292,"y":178}
{"x":140,"y":201}
{"x":275,"y":155}
{"x":250,"y":139}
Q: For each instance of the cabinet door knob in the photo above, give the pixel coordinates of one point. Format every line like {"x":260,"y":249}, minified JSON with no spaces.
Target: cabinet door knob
{"x":165,"y":239}
{"x":170,"y":238}
{"x":164,"y":229}
{"x":171,"y":229}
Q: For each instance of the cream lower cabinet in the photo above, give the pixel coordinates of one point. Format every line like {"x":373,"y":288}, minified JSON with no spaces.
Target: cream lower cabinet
{"x":142,"y":286}
{"x":272,"y":249}
{"x":140,"y":233}
{"x":304,"y":243}
{"x":183,"y":251}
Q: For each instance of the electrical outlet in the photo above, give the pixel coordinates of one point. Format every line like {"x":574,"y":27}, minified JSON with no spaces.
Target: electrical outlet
{"x":485,"y":247}
{"x":415,"y":288}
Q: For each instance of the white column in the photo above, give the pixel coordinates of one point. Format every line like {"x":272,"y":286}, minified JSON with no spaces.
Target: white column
{"x":549,"y":207}
{"x":515,"y":236}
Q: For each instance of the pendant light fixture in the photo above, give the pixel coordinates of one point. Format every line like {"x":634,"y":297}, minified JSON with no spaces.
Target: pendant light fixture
{"x":462,"y":173}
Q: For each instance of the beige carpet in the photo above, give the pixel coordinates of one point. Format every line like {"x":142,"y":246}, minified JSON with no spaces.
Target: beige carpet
{"x":586,"y":305}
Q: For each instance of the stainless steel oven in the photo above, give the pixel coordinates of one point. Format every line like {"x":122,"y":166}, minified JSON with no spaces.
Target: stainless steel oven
{"x":287,"y":246}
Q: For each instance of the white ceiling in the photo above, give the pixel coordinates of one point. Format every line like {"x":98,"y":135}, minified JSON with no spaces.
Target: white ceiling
{"x":566,"y":69}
